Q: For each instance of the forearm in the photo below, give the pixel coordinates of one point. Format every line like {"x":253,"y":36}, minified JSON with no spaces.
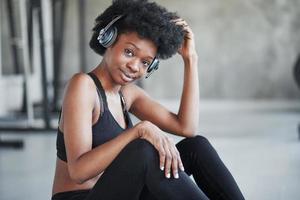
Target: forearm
{"x":188,"y":113}
{"x":98,"y":159}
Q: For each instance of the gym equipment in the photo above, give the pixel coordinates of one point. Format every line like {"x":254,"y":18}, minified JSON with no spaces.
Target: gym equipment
{"x":35,"y":120}
{"x":296,"y":72}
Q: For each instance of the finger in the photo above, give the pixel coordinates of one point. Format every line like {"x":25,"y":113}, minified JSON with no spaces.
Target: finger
{"x":176,"y":19}
{"x":188,"y":37}
{"x":186,"y":28}
{"x":175,"y":168}
{"x":162,"y":156}
{"x":181,"y":23}
{"x":175,"y":158}
{"x":175,"y":164}
{"x":168,"y":161}
{"x":188,"y":34}
{"x":180,"y":164}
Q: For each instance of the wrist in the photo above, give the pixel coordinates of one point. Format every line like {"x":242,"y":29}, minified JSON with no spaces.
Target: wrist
{"x":191,"y":59}
{"x":191,"y":64}
{"x":139,"y":129}
{"x":143,"y":127}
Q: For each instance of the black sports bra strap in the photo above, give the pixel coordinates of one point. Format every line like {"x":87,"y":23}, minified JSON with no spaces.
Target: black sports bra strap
{"x":102,"y":108}
{"x":59,"y":116}
{"x":124,"y":108}
{"x":99,"y":87}
{"x":123,"y":102}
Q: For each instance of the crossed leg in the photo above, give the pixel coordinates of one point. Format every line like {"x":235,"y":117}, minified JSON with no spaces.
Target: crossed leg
{"x":137,"y":166}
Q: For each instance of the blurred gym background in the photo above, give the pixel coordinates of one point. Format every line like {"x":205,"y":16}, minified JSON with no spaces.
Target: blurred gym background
{"x":249,"y":69}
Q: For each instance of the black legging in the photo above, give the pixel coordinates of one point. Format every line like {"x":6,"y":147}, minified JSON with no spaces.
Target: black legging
{"x":201,"y":160}
{"x":135,"y":174}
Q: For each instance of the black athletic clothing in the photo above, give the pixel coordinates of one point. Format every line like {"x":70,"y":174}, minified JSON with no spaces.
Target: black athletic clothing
{"x":135,"y":174}
{"x":105,"y":129}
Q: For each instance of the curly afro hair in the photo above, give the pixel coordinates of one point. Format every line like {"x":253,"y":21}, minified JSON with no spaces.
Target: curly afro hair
{"x":147,"y":19}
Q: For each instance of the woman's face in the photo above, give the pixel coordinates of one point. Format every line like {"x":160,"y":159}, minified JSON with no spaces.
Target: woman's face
{"x":129,"y":57}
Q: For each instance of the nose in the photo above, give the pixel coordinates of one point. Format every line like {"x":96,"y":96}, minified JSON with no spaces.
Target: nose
{"x":133,"y":65}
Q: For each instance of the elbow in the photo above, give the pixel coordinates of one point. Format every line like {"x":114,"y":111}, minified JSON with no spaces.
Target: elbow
{"x":189,"y":132}
{"x":188,"y":128}
{"x":76,"y":176}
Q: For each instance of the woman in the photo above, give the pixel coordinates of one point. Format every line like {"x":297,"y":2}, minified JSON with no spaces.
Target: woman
{"x":101,"y":154}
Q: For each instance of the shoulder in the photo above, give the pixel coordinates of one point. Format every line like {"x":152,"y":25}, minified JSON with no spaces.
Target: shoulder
{"x":131,"y":93}
{"x":80,"y":81}
{"x":80,"y":78}
{"x":80,"y":86}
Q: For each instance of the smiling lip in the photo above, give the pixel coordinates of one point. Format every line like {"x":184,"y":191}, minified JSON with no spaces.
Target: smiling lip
{"x":127,"y":77}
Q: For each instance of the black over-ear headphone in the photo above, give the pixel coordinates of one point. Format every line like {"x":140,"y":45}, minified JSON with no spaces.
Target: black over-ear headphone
{"x":108,"y":35}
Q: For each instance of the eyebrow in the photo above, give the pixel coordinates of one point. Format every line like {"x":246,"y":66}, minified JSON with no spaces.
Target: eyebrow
{"x":139,"y":49}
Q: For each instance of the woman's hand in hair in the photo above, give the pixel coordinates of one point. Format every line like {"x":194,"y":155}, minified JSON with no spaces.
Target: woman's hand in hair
{"x":168,"y":154}
{"x":187,"y":49}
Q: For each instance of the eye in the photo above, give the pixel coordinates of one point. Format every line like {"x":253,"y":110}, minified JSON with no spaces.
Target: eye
{"x":128,"y":52}
{"x":146,"y":63}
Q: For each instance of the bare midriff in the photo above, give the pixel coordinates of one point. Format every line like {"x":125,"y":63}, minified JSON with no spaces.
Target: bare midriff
{"x":63,"y":182}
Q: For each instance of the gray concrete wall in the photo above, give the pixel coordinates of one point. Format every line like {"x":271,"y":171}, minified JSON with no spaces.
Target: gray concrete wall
{"x":246,"y":49}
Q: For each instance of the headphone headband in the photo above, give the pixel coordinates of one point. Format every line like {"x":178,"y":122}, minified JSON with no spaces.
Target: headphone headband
{"x":103,"y":30}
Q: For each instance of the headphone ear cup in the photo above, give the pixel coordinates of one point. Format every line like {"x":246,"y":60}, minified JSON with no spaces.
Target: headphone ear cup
{"x":109,"y":37}
{"x":153,"y":66}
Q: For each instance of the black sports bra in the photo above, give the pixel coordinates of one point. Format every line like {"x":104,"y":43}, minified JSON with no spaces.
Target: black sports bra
{"x":105,"y":129}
